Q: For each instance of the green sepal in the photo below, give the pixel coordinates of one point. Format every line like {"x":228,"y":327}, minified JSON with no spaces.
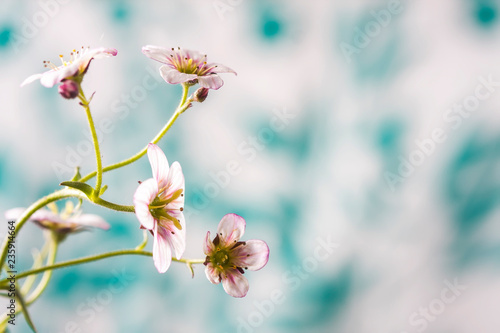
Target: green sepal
{"x":77,"y":175}
{"x":85,"y":188}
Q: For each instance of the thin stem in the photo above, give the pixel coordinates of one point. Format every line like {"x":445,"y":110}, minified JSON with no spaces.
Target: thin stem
{"x":183,"y":106}
{"x":96,"y":258}
{"x":40,"y":203}
{"x":110,"y":205}
{"x":51,"y":258}
{"x":85,"y":104}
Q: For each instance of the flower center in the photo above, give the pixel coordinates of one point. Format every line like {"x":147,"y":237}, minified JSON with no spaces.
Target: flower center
{"x":221,"y":258}
{"x":186,"y":64}
{"x":158,"y":208}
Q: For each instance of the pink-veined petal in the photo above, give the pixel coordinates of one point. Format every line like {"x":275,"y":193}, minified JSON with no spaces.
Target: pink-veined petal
{"x":212,"y":273}
{"x":176,"y":238}
{"x":210,"y":81}
{"x":158,"y":53}
{"x":31,"y":78}
{"x":219,"y":68}
{"x":90,"y":220}
{"x":230,"y":229}
{"x":208,"y":246}
{"x":253,"y":255}
{"x":159,"y":165}
{"x":173,"y":76}
{"x":175,"y":182}
{"x":162,"y":254}
{"x":145,"y":194}
{"x":101,"y":52}
{"x":234,"y":283}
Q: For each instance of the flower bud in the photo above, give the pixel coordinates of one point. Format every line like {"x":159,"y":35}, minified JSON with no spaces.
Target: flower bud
{"x":69,"y":89}
{"x":200,"y":95}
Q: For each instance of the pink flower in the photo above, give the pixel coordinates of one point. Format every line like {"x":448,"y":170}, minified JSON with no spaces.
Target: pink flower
{"x":227,"y":257}
{"x":159,"y":202}
{"x":187,"y":66}
{"x":68,"y":221}
{"x":74,"y":69}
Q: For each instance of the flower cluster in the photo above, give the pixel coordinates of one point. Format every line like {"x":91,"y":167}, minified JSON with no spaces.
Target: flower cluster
{"x":158,"y":202}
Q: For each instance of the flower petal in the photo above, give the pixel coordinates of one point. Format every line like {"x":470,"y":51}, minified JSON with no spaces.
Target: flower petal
{"x":212,"y":273}
{"x":30,"y":79}
{"x":208,"y":246}
{"x":90,"y":220}
{"x":175,"y":238}
{"x":175,"y":182}
{"x":158,"y":53}
{"x":253,"y":255}
{"x":230,"y":229}
{"x":162,"y":254}
{"x":234,"y":283}
{"x":145,"y":194}
{"x":173,"y":76}
{"x":159,"y":165}
{"x":210,"y":81}
{"x":220,"y":68}
{"x":50,"y":78}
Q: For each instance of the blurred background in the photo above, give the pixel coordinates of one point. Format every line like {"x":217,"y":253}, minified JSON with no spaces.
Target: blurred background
{"x":366,"y":144}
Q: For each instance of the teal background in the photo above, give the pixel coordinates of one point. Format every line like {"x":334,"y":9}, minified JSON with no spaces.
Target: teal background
{"x":361,"y":106}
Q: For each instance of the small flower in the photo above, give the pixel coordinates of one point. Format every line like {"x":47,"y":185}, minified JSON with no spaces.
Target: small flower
{"x":74,"y":68}
{"x":186,"y":66}
{"x":227,"y":257}
{"x":63,"y":223}
{"x":159,"y":202}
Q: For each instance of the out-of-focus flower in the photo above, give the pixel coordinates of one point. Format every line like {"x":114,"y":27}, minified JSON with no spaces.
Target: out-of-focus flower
{"x":186,"y":66}
{"x":159,"y":202}
{"x":63,"y":223}
{"x":227,"y":257}
{"x":73,"y":69}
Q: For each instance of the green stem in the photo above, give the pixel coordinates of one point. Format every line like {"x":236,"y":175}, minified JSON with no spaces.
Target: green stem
{"x":85,"y":104}
{"x":40,"y":203}
{"x":183,"y":106}
{"x":51,"y":259}
{"x":110,"y":205}
{"x":95,"y":258}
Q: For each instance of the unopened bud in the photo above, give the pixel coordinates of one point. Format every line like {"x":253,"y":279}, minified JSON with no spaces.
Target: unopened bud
{"x":200,"y":95}
{"x":69,"y":89}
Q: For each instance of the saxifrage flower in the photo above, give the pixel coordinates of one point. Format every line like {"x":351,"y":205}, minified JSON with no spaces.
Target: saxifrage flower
{"x":189,"y":66}
{"x":227,"y":257}
{"x":68,"y":221}
{"x":73,"y":69}
{"x":159,"y":205}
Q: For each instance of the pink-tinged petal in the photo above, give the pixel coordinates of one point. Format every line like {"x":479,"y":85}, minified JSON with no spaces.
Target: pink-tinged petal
{"x":159,"y":165}
{"x":210,"y":81}
{"x":175,"y":182}
{"x":46,"y":215}
{"x":102,"y":52}
{"x":253,"y":255}
{"x":212,"y":273}
{"x":173,"y":76}
{"x":31,"y":79}
{"x":14,"y":213}
{"x":234,"y":283}
{"x":191,"y":54}
{"x":219,"y":68}
{"x":175,"y":238}
{"x":208,"y":246}
{"x":145,"y":194}
{"x":162,"y":254}
{"x":158,"y":53}
{"x":50,"y":78}
{"x":230,"y":229}
{"x":90,"y":220}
